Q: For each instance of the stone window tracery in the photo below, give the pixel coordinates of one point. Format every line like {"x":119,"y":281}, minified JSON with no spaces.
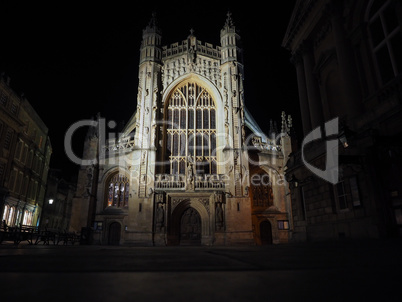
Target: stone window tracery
{"x":191,"y":129}
{"x":118,"y":191}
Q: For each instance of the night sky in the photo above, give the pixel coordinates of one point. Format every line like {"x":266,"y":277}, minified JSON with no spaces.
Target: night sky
{"x":72,"y":61}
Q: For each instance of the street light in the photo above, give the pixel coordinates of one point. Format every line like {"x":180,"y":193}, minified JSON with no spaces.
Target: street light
{"x":50,"y":201}
{"x":345,"y":136}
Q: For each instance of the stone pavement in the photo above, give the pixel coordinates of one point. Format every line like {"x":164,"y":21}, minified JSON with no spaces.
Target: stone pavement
{"x":334,"y":271}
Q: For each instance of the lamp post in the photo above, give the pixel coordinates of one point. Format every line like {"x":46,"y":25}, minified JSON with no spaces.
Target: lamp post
{"x":47,"y":212}
{"x":345,"y":136}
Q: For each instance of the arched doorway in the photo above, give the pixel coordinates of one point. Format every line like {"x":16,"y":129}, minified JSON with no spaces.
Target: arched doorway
{"x":266,"y":232}
{"x":114,"y":233}
{"x":190,"y":227}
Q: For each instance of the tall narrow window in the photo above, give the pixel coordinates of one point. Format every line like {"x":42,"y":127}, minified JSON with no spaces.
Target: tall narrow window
{"x":7,"y":139}
{"x":191,"y":129}
{"x":342,"y":195}
{"x":386,"y":37}
{"x":118,"y":191}
{"x":5,"y":213}
{"x":10,"y":218}
{"x":27,"y":220}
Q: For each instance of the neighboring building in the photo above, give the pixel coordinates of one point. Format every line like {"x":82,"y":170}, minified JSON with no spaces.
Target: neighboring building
{"x":25,"y":152}
{"x":185,"y":169}
{"x":348,"y":62}
{"x":57,"y":207}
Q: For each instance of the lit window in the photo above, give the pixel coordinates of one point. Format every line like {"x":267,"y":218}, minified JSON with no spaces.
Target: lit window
{"x":386,"y":38}
{"x":27,"y":220}
{"x":283,"y":224}
{"x":118,"y":191}
{"x":191,"y":129}
{"x":10,"y":217}
{"x":5,"y":213}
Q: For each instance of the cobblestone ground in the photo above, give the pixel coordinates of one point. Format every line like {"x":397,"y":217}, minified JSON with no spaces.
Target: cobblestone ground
{"x":337,"y":271}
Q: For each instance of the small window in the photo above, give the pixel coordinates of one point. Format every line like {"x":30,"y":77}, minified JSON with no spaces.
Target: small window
{"x":342,"y":196}
{"x":13,"y":108}
{"x":3,"y":99}
{"x":98,"y":226}
{"x":2,"y":167}
{"x":283,"y":224}
{"x":7,"y":140}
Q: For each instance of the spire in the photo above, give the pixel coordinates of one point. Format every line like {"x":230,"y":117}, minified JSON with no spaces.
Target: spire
{"x":230,"y":41}
{"x":152,"y":26}
{"x":271,"y":128}
{"x":151,"y":42}
{"x":229,"y":21}
{"x":153,"y":22}
{"x":286,"y":124}
{"x":191,"y":35}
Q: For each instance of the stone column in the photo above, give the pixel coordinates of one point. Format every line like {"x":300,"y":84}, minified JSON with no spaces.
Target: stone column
{"x":303,"y":100}
{"x":347,"y":67}
{"x":314,"y":99}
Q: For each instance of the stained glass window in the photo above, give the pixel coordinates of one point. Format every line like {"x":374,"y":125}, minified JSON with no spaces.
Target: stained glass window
{"x":118,"y":191}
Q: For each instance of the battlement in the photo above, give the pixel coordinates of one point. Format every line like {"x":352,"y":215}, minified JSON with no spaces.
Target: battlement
{"x":177,"y":48}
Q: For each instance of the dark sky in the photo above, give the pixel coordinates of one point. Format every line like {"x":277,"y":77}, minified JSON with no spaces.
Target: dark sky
{"x":72,"y":60}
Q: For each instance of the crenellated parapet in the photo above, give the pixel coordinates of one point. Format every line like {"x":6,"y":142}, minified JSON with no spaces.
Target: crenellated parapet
{"x":191,"y":56}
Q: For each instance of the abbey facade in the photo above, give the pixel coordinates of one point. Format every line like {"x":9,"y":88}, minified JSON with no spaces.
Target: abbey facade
{"x":191,"y":167}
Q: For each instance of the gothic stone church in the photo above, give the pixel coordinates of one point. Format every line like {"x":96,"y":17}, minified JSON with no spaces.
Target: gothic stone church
{"x":191,"y":166}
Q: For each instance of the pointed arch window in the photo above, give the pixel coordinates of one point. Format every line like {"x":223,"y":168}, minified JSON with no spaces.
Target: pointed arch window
{"x":191,"y":129}
{"x":118,"y":191}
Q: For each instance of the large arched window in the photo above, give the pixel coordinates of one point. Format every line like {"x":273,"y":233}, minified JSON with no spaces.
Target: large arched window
{"x":5,"y":213}
{"x":27,"y":220}
{"x":118,"y":191}
{"x":386,"y":37}
{"x":191,"y":129}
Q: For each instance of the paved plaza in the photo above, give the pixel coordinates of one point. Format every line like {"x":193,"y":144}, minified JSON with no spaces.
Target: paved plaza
{"x":337,"y":271}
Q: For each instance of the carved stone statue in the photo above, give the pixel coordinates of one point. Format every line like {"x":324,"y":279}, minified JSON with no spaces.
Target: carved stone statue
{"x":219,"y":216}
{"x":159,"y":216}
{"x":190,"y":174}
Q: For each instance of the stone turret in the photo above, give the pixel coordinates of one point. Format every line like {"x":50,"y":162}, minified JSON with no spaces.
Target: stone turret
{"x":230,"y":41}
{"x":151,"y":42}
